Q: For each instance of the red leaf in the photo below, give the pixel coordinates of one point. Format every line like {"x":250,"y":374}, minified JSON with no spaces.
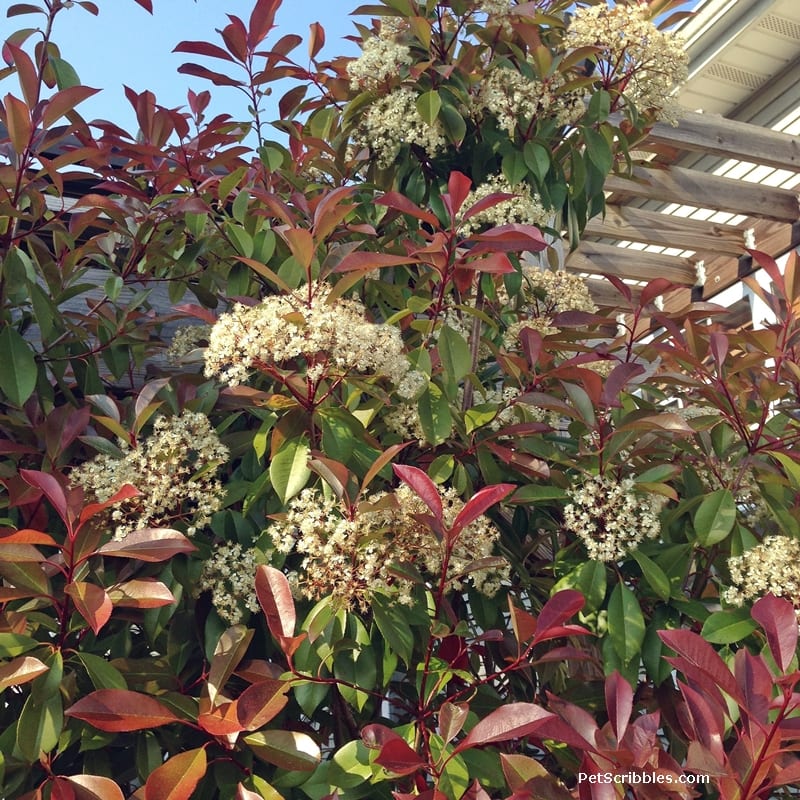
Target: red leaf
{"x":700,"y":663}
{"x":316,"y":39}
{"x":620,"y":286}
{"x":512,"y":721}
{"x":486,"y":202}
{"x":177,"y":778}
{"x":495,"y":263}
{"x":217,"y":78}
{"x":261,"y":21}
{"x":475,"y":792}
{"x":509,"y":238}
{"x":203,"y":49}
{"x":363,"y":260}
{"x":221,"y":720}
{"x":147,"y":5}
{"x":262,"y":702}
{"x":92,"y":603}
{"x":458,"y":186}
{"x":619,"y":702}
{"x":776,"y":616}
{"x":149,"y":544}
{"x":399,"y":758}
{"x":92,"y":509}
{"x":653,"y":289}
{"x":477,"y":505}
{"x":617,"y":380}
{"x":50,"y":488}
{"x":423,"y":487}
{"x":555,"y":612}
{"x":275,"y":597}
{"x":400,"y":203}
{"x":120,"y":710}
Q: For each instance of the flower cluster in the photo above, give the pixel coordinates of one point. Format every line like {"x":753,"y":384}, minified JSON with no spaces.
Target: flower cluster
{"x":772,"y":566}
{"x":187,"y":340}
{"x":230,"y":577}
{"x":610,"y":517}
{"x":174,"y":471}
{"x":331,"y":340}
{"x":644,"y":63}
{"x":393,"y":121}
{"x":349,"y":557}
{"x":524,"y":208}
{"x":381,"y":58}
{"x":546,"y":293}
{"x":512,"y":98}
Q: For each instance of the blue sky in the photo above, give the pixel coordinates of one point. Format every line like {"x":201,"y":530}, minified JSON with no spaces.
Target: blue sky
{"x":125,"y":45}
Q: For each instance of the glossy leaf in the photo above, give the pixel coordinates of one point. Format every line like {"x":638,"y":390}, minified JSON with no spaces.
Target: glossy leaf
{"x":626,"y":625}
{"x":91,"y":602}
{"x":177,"y":778}
{"x":118,"y":710}
{"x":423,"y":487}
{"x":285,"y":749}
{"x":511,"y":721}
{"x":149,"y":544}
{"x":20,"y":670}
{"x":93,"y":787}
{"x":776,"y":615}
{"x":288,"y":470}
{"x":275,"y":597}
{"x":715,"y":517}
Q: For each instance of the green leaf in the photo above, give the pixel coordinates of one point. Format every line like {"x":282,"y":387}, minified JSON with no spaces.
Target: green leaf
{"x":393,"y":625}
{"x":15,"y":644}
{"x":454,"y":352}
{"x":599,"y":107}
{"x":240,"y":239}
{"x":39,"y":726}
{"x":626,"y":627}
{"x":453,"y":123}
{"x":17,"y":367}
{"x":66,"y":77}
{"x":715,"y":517}
{"x":286,"y":749}
{"x":653,"y":574}
{"x":428,"y":105}
{"x":101,"y":673}
{"x":434,"y":415}
{"x":478,"y":416}
{"x":441,"y":468}
{"x":514,"y":167}
{"x":534,"y":493}
{"x":537,"y":159}
{"x":726,"y":627}
{"x":289,"y":470}
{"x":599,"y":150}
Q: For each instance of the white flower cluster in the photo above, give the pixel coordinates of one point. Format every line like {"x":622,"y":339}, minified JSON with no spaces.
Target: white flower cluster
{"x":525,"y":208}
{"x":649,"y":63}
{"x":381,"y":58}
{"x":742,"y":483}
{"x":772,"y":566}
{"x":186,"y":340}
{"x":230,"y":577}
{"x":173,"y":469}
{"x":493,"y":7}
{"x":546,"y":293}
{"x":331,"y":340}
{"x":512,"y":98}
{"x":610,"y":517}
{"x":350,"y":557}
{"x":393,"y":121}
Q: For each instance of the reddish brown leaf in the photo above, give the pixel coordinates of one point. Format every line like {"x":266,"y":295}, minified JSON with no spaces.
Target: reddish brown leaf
{"x":316,"y":39}
{"x":275,"y":597}
{"x":92,"y":787}
{"x":27,"y":536}
{"x":458,"y":186}
{"x":50,"y":488}
{"x":63,"y":102}
{"x":261,"y":21}
{"x":120,"y":710}
{"x":555,"y":612}
{"x":91,"y":602}
{"x":177,"y":778}
{"x":150,"y":544}
{"x":261,"y":702}
{"x":93,"y":509}
{"x":653,"y":289}
{"x":141,"y":593}
{"x":19,"y":552}
{"x":512,"y":721}
{"x":203,"y":49}
{"x":619,"y":702}
{"x":20,"y":670}
{"x":147,"y":5}
{"x":776,"y":616}
{"x":27,"y":74}
{"x":509,"y":238}
{"x":221,"y":720}
{"x":363,"y":260}
{"x":217,"y":78}
{"x":423,"y":487}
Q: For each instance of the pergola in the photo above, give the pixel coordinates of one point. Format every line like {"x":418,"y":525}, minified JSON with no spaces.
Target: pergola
{"x":720,"y":180}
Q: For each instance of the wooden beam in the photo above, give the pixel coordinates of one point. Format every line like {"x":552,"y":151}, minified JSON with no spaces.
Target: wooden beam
{"x":605,"y":294}
{"x":664,"y":230}
{"x":623,"y":262}
{"x":727,"y":138}
{"x":699,"y":189}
